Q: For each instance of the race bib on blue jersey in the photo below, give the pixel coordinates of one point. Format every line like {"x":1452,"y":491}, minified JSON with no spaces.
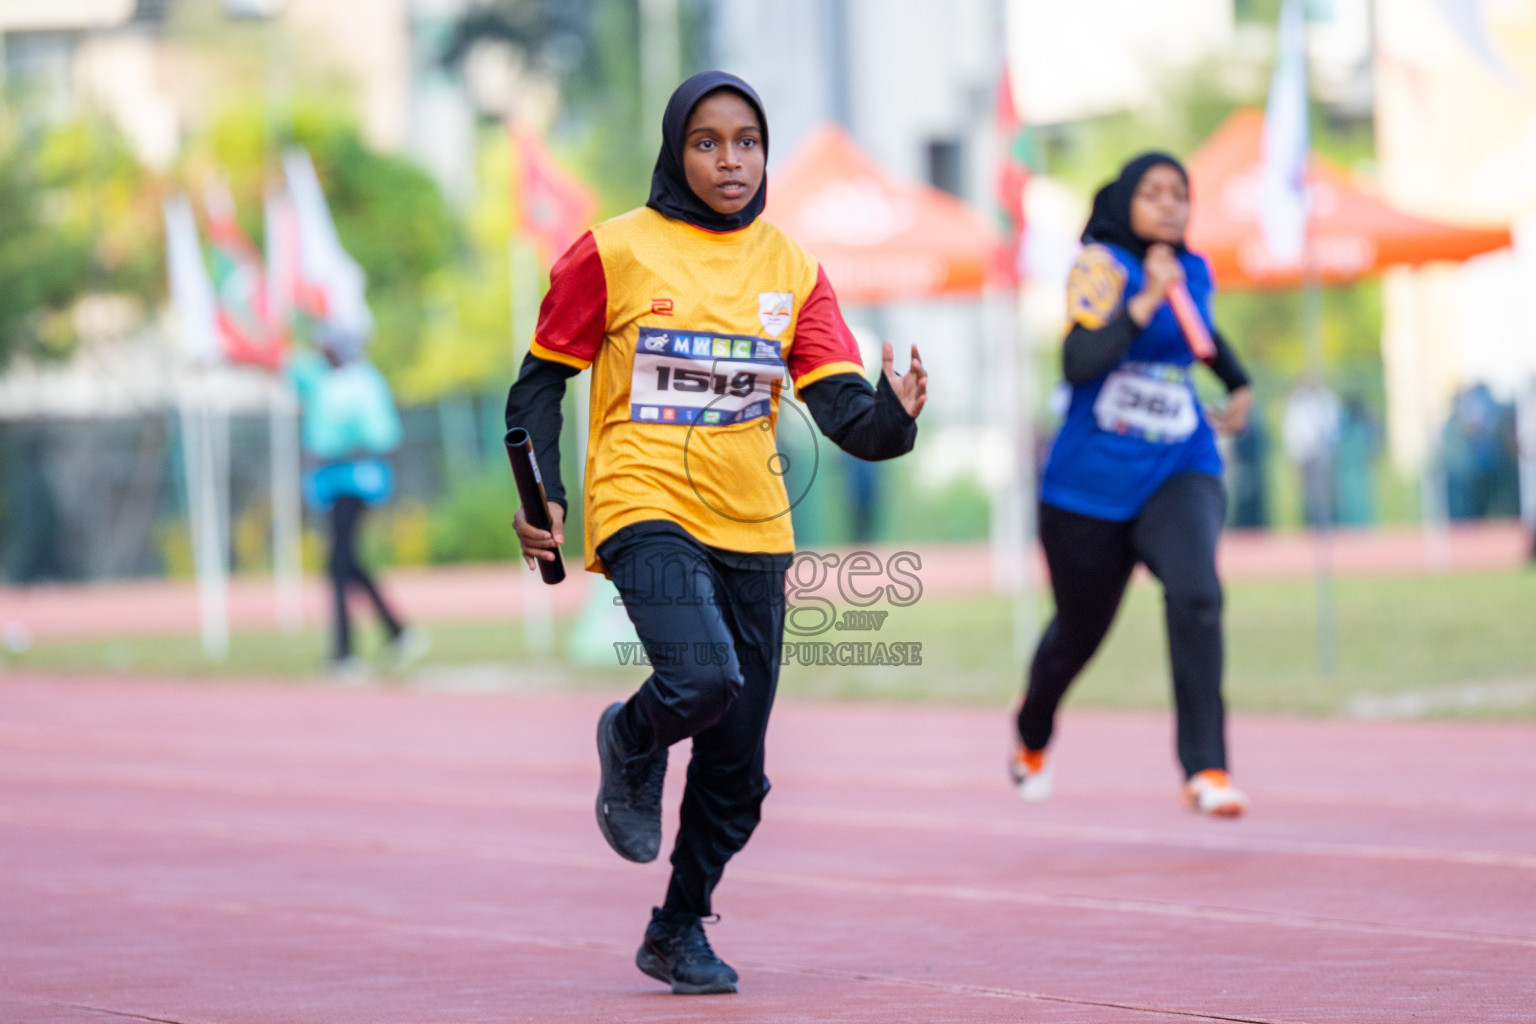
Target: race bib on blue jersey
{"x":1151,"y":401}
{"x":704,"y":379}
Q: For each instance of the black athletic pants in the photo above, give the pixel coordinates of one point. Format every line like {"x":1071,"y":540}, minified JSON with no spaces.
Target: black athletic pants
{"x":1091,"y":561}
{"x":345,"y":570}
{"x":712,"y":622}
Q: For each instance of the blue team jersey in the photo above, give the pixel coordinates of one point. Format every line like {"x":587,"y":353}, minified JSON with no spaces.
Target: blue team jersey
{"x":1130,"y":429}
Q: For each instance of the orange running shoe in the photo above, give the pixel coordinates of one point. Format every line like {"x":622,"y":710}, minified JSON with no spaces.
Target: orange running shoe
{"x":1211,"y":792}
{"x":1032,"y":773}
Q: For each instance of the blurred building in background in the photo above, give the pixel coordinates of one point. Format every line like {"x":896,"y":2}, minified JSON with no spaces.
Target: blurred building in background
{"x":122,"y":57}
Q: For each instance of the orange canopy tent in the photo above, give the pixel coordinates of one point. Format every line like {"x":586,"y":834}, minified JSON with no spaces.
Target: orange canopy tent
{"x":1354,"y":234}
{"x":880,"y":238}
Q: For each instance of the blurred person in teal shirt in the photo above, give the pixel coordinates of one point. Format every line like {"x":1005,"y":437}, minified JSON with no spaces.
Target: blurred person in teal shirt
{"x":350,"y":426}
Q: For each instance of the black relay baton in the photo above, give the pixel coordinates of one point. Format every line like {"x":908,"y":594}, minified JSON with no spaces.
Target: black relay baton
{"x":530,"y":492}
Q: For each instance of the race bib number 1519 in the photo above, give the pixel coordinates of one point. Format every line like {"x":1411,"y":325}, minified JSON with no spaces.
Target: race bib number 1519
{"x":706,"y":379}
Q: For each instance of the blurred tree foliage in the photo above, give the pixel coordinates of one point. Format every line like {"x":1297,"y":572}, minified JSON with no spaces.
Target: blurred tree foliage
{"x":466,"y":332}
{"x":75,"y":208}
{"x":590,"y":49}
{"x":79,"y":215}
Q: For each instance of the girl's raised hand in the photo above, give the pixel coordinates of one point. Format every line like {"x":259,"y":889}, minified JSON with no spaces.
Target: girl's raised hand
{"x":1162,"y":270}
{"x":911,"y":387}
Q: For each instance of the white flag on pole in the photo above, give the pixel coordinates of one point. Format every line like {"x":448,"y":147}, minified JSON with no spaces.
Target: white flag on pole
{"x":1283,"y":176}
{"x":1470,"y":20}
{"x":325,"y":268}
{"x":191,"y":288}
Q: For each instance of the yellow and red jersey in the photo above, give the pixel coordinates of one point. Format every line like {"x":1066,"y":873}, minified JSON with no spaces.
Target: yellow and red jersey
{"x":690,"y":335}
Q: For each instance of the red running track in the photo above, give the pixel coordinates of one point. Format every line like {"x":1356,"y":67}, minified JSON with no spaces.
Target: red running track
{"x":251,"y":854}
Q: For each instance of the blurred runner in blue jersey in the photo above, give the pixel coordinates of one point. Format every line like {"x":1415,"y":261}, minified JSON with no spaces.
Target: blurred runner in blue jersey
{"x":1134,"y":475}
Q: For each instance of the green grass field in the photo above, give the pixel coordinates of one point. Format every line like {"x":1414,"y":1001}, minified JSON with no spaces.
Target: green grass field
{"x":1454,"y":644}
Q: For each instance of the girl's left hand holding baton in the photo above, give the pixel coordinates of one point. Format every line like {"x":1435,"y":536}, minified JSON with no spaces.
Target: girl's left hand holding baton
{"x":539,"y":545}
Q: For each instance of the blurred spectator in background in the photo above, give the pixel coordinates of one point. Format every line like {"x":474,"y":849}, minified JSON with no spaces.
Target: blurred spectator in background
{"x":1478,"y":445}
{"x":1354,"y":464}
{"x":1246,"y":481}
{"x":1311,"y":431}
{"x":350,"y":424}
{"x":1525,"y":447}
{"x":31,"y":529}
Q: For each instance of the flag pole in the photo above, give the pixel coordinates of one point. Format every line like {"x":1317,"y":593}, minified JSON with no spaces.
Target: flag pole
{"x":523,"y":267}
{"x":1014,"y":528}
{"x":1290,"y":235}
{"x":210,"y":550}
{"x":287,"y":514}
{"x":1312,"y":321}
{"x":192,"y":297}
{"x":286,"y":455}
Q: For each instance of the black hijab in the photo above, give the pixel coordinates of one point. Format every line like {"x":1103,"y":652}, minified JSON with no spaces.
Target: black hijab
{"x":670,"y":194}
{"x":1110,"y":221}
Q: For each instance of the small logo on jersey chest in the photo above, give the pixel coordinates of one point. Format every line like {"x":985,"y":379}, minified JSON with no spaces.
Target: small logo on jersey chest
{"x":774,"y":310}
{"x":661,"y":307}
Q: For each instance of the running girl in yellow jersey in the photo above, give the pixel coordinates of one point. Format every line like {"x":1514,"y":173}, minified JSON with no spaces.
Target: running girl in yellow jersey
{"x":693,"y":313}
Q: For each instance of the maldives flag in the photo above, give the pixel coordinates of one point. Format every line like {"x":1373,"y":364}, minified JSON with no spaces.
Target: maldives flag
{"x":1012,"y":175}
{"x":551,"y":205}
{"x":249,"y":331}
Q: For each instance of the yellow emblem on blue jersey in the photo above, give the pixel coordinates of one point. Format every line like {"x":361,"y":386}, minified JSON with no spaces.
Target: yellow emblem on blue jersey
{"x":1095,"y":287}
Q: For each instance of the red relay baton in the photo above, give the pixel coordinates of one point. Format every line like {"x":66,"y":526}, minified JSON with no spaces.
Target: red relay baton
{"x":1191,"y":323}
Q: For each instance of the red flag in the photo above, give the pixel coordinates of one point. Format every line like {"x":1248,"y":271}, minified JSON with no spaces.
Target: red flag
{"x":1012,"y":175}
{"x":553,"y":207}
{"x":250,"y":333}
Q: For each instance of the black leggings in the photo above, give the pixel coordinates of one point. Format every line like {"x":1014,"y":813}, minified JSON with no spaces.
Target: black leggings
{"x":346,"y":570}
{"x":712,"y":623}
{"x":1091,"y":561}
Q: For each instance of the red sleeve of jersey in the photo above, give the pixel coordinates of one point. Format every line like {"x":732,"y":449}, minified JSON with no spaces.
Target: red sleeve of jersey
{"x":823,"y":343}
{"x":574,"y":314}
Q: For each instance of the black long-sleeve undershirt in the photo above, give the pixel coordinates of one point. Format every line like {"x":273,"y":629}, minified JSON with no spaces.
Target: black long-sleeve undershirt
{"x":1088,"y":353}
{"x":867,"y":422}
{"x":533,"y":403}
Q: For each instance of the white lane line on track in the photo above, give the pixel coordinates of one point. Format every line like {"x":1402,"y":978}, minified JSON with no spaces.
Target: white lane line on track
{"x":16,"y":997}
{"x":268,"y":749}
{"x":571,"y":800}
{"x":948,"y":824}
{"x":973,"y":894}
{"x":321,"y":755}
{"x":374,"y":924}
{"x":806,"y":883}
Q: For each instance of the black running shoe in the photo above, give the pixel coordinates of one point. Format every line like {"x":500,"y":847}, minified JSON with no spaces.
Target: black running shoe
{"x":629,"y":795}
{"x":675,"y":951}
